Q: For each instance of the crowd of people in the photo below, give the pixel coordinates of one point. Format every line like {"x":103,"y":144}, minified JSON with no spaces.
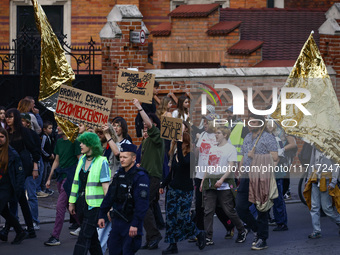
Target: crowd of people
{"x":111,"y":187}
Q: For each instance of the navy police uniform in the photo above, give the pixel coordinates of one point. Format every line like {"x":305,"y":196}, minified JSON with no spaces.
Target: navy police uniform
{"x":128,"y":196}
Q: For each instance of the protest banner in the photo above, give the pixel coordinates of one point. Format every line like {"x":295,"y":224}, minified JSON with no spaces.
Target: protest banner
{"x":171,"y":128}
{"x":83,"y":107}
{"x":133,"y":84}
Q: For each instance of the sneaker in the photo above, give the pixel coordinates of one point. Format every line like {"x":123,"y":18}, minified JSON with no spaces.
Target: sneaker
{"x":281,"y":227}
{"x":287,"y":196}
{"x":52,"y":241}
{"x":20,"y":237}
{"x":73,"y":226}
{"x":49,"y":192}
{"x":260,"y":245}
{"x":229,"y":234}
{"x":209,"y":241}
{"x":192,"y":239}
{"x":36,"y":226}
{"x":42,"y":194}
{"x":271,"y":222}
{"x":314,"y":235}
{"x":75,"y":232}
{"x":241,"y":237}
{"x":255,"y":239}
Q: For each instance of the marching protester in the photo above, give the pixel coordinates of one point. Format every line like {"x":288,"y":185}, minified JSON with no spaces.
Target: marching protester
{"x":151,"y":160}
{"x":279,"y":207}
{"x":128,"y":196}
{"x":257,"y":142}
{"x":25,"y":106}
{"x":179,"y":225}
{"x":22,"y":141}
{"x":47,"y":154}
{"x":148,"y":108}
{"x":182,"y":110}
{"x":12,"y":177}
{"x":204,"y":145}
{"x":33,"y":185}
{"x":323,"y":177}
{"x":65,"y":162}
{"x":164,"y":107}
{"x":90,"y":184}
{"x":35,"y":111}
{"x":219,"y":185}
{"x":2,"y":116}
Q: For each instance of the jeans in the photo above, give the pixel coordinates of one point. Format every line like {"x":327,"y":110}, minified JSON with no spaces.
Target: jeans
{"x":40,"y":176}
{"x":279,"y":208}
{"x":103,"y":235}
{"x":31,"y":188}
{"x":259,"y":225}
{"x":324,"y":200}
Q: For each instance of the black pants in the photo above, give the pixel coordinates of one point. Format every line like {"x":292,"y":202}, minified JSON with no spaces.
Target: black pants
{"x":150,"y":225}
{"x":259,"y":225}
{"x":26,"y":211}
{"x":88,"y":236}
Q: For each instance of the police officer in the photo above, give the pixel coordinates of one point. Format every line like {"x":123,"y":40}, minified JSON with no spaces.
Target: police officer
{"x":128,"y":199}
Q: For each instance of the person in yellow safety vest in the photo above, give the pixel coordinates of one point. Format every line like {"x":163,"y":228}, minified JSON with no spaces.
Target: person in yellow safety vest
{"x":90,"y":185}
{"x":238,"y":132}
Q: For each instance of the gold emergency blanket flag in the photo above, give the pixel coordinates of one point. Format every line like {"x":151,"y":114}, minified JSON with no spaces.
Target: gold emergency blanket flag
{"x":322,"y":127}
{"x":54,"y":68}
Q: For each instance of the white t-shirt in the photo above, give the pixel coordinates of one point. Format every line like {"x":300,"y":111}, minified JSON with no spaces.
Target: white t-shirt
{"x":221,"y":156}
{"x":204,"y":143}
{"x":175,"y":114}
{"x":116,"y":161}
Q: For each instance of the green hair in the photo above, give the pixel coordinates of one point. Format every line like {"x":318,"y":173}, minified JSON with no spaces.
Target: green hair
{"x":92,"y":141}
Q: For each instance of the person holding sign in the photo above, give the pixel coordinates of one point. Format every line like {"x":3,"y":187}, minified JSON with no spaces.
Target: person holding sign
{"x":178,"y":200}
{"x":152,"y":161}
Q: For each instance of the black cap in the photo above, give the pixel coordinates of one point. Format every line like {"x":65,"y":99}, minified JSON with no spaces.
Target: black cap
{"x":128,"y":147}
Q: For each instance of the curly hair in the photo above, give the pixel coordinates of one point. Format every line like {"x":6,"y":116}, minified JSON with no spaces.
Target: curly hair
{"x":92,"y":141}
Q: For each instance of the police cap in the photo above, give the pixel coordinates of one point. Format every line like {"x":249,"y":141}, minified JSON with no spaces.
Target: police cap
{"x":128,"y":147}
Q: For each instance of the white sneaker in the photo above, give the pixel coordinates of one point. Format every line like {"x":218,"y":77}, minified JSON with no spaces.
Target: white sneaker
{"x":36,"y":226}
{"x":75,"y":232}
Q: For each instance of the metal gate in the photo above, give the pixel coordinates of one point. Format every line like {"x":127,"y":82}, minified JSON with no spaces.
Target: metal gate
{"x":20,"y":68}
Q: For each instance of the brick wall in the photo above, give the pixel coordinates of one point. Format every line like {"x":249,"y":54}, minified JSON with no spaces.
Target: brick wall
{"x":248,"y":3}
{"x":309,"y":3}
{"x":190,"y":43}
{"x":117,"y":54}
{"x":330,"y":51}
{"x":154,"y":12}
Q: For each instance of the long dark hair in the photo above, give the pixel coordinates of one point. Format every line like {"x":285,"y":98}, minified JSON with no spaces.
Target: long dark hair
{"x":122,"y":122}
{"x":4,"y":151}
{"x":180,"y":107}
{"x":17,"y":125}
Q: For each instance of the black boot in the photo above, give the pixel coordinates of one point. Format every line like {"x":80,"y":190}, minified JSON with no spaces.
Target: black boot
{"x":172,"y":249}
{"x":31,"y":232}
{"x":4,"y":233}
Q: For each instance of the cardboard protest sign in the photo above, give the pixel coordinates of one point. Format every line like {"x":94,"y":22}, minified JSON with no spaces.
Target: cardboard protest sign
{"x":133,"y":84}
{"x":171,"y":128}
{"x":83,"y":107}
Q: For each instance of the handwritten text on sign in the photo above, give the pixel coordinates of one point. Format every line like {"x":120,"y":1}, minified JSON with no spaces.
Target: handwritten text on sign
{"x":133,"y":84}
{"x":83,"y":107}
{"x":171,"y":128}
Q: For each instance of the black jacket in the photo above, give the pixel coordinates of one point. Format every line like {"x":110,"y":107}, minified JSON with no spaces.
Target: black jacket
{"x":15,"y":171}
